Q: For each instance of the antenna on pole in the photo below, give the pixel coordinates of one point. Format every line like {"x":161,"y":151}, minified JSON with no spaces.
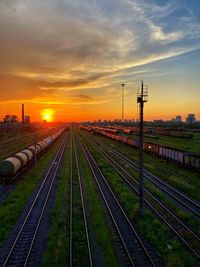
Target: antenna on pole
{"x":142,"y":97}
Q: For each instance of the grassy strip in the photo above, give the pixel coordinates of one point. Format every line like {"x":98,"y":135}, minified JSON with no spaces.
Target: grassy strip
{"x":186,"y":180}
{"x":154,"y":231}
{"x":104,"y":239}
{"x":12,"y":207}
{"x":184,"y":216}
{"x":57,"y":250}
{"x":79,"y":241}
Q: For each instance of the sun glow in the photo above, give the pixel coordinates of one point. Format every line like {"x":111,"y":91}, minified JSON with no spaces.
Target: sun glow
{"x":47,"y":114}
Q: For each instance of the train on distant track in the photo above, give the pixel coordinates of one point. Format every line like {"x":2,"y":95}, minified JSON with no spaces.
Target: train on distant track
{"x":9,"y":167}
{"x":152,"y":132}
{"x":181,"y":157}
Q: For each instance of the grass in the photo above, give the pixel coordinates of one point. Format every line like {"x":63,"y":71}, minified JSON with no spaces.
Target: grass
{"x":104,"y":239}
{"x":79,"y":241}
{"x":154,"y":231}
{"x":184,"y":216}
{"x":12,"y":207}
{"x":57,"y":250}
{"x":185,"y":179}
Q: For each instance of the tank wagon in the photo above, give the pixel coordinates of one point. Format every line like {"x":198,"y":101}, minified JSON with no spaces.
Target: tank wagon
{"x":10,"y":166}
{"x":181,"y":157}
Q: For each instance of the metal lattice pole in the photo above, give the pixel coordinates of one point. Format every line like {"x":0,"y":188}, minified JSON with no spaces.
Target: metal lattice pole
{"x":142,"y":97}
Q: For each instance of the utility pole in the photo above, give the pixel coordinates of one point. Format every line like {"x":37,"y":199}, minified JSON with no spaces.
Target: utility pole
{"x":141,"y":99}
{"x":123,"y":85}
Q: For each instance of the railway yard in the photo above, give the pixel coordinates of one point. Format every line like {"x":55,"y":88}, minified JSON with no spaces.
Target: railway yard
{"x":69,"y":197}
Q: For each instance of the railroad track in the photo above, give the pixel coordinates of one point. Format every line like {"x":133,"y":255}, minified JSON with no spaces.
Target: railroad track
{"x":137,"y":253}
{"x":8,"y":186}
{"x":72,"y":229}
{"x":188,"y":238}
{"x":25,"y":142}
{"x":21,"y":251}
{"x":186,"y":202}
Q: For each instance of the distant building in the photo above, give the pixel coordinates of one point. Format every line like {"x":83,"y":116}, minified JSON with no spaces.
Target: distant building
{"x":178,"y":119}
{"x":190,"y":119}
{"x":158,"y":121}
{"x":27,"y":119}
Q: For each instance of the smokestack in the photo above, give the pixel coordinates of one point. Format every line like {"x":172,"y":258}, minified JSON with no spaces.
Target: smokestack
{"x":22,"y":113}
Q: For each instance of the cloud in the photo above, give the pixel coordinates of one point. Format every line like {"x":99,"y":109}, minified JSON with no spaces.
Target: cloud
{"x":52,"y":48}
{"x":84,"y":97}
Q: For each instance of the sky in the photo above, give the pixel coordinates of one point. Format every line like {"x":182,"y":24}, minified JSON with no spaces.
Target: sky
{"x":71,"y":57}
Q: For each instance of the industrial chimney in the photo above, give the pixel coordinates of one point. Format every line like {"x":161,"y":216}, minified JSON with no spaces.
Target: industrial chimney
{"x":22,"y":113}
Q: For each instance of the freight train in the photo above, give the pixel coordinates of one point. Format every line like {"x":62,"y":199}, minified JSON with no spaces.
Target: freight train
{"x":9,"y":167}
{"x":97,"y":129}
{"x":181,"y":157}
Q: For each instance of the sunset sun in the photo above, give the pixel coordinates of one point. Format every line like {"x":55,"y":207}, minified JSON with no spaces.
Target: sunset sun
{"x":47,"y":114}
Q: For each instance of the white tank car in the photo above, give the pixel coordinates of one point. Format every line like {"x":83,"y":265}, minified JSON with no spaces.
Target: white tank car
{"x":23,"y":157}
{"x":10,"y":166}
{"x":29,"y":153}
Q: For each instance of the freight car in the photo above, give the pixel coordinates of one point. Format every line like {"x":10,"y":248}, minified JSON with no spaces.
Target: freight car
{"x":128,"y":130}
{"x":181,"y":157}
{"x":86,"y":128}
{"x":10,"y":166}
{"x":106,"y":130}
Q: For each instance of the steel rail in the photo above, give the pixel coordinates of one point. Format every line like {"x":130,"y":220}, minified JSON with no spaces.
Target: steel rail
{"x":177,"y":220}
{"x":91,"y":161}
{"x":56,"y":161}
{"x":83,"y":204}
{"x":71,"y":209}
{"x":191,"y":205}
